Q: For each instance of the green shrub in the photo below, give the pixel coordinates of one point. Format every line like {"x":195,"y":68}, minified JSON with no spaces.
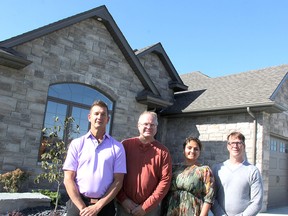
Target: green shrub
{"x":53,"y":195}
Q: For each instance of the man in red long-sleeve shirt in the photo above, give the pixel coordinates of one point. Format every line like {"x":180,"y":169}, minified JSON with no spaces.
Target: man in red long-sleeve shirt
{"x":149,"y":171}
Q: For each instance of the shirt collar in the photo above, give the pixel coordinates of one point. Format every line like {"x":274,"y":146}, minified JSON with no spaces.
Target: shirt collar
{"x":89,"y":134}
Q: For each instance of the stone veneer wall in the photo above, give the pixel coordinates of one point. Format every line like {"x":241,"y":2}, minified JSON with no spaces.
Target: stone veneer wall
{"x":82,"y":53}
{"x":213,"y":131}
{"x":279,"y":124}
{"x":158,"y":75}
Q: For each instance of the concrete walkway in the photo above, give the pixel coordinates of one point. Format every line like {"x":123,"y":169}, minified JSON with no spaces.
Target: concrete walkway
{"x":275,"y":212}
{"x":271,"y":212}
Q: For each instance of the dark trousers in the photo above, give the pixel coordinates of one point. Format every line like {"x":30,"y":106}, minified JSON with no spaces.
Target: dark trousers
{"x":107,"y":210}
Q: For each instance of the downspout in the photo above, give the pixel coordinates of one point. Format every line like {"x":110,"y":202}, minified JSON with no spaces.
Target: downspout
{"x":254,"y":138}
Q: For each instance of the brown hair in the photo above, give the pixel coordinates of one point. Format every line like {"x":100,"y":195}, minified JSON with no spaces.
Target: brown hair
{"x":100,"y":104}
{"x":195,"y":139}
{"x":237,"y":135}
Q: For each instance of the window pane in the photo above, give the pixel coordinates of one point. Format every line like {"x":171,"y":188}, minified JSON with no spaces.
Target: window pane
{"x":273,"y":144}
{"x":80,"y":116}
{"x":282,"y":147}
{"x":69,"y":100}
{"x":77,"y":93}
{"x":72,"y":100}
{"x":55,"y":110}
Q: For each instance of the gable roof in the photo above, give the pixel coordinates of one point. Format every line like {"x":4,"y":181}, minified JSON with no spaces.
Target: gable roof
{"x":234,"y":93}
{"x":176,"y":83}
{"x":150,"y":95}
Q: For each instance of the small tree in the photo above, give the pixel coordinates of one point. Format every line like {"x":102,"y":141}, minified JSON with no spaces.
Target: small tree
{"x":53,"y":158}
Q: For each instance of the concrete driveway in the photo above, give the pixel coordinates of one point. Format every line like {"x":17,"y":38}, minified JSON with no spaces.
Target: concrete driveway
{"x":271,"y":212}
{"x":275,"y":212}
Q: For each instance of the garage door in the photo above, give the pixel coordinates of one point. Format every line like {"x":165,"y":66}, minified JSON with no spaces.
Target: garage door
{"x":278,"y":173}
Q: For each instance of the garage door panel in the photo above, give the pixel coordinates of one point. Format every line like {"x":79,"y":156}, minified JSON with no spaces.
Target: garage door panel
{"x":283,"y":181}
{"x":273,"y":163}
{"x":273,"y":181}
{"x":278,"y":181}
{"x":283,"y":164}
{"x":277,"y":198}
{"x":278,"y":173}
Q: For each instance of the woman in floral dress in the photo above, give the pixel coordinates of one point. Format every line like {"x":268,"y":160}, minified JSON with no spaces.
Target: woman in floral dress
{"x":192,"y":187}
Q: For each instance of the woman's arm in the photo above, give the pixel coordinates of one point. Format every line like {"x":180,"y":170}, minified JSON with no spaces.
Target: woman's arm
{"x":205,"y":209}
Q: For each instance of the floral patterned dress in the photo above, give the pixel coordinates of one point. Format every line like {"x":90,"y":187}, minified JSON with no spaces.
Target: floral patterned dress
{"x":191,"y":186}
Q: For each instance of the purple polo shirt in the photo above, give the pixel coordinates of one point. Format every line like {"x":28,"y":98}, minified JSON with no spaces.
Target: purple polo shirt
{"x":95,"y":164}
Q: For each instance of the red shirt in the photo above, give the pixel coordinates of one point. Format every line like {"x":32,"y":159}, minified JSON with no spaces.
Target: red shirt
{"x":149,"y":171}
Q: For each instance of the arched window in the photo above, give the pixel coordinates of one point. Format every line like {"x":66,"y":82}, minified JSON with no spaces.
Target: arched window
{"x":72,"y":100}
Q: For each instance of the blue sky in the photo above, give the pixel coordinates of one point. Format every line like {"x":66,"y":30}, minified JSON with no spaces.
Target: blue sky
{"x":216,"y":37}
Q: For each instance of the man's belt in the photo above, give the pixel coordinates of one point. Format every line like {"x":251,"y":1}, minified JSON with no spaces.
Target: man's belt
{"x":89,"y":200}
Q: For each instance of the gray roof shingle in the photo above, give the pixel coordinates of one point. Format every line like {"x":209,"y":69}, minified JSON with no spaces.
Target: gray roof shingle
{"x":248,"y":89}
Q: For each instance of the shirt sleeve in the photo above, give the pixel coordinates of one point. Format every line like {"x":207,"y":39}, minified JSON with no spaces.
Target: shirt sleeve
{"x":71,"y":161}
{"x":209,"y":181}
{"x":121,"y":196}
{"x":164,"y":184}
{"x":256,"y":191}
{"x":120,"y":162}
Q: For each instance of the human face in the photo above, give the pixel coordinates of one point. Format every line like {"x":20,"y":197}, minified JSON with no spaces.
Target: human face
{"x":147,"y":126}
{"x":191,"y":152}
{"x":236,"y":147}
{"x":98,"y":117}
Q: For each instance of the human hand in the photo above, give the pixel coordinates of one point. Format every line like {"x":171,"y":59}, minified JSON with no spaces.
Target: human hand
{"x":138,"y":211}
{"x":91,"y":210}
{"x":129,"y":205}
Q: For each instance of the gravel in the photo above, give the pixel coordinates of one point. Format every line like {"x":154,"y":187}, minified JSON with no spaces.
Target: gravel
{"x":40,"y":211}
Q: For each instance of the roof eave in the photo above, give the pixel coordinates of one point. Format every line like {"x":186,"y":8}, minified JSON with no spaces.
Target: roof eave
{"x":176,"y":84}
{"x":13,"y":61}
{"x":151,"y":100}
{"x":177,"y":87}
{"x":265,"y":107}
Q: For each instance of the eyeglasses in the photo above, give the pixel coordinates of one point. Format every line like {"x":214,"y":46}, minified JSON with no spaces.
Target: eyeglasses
{"x":235,"y":143}
{"x":147,"y":124}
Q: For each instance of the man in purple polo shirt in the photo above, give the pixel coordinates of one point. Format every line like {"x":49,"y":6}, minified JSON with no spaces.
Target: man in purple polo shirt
{"x":94,"y":168}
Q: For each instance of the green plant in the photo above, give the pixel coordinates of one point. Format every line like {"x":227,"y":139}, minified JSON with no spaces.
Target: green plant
{"x":53,"y":195}
{"x":12,"y":180}
{"x":53,"y":157}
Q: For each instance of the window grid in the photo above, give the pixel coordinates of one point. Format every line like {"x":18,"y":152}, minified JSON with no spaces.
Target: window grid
{"x":71,"y":100}
{"x":280,"y":145}
{"x":273,"y":145}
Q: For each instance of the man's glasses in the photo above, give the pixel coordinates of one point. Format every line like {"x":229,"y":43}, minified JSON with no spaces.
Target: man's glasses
{"x":235,"y":143}
{"x":148,"y":125}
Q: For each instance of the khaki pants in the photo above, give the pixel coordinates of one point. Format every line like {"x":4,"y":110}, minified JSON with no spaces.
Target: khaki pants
{"x":121,"y":212}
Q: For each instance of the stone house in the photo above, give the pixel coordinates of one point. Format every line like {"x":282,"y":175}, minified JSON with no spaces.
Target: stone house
{"x":59,"y":69}
{"x":255,"y":103}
